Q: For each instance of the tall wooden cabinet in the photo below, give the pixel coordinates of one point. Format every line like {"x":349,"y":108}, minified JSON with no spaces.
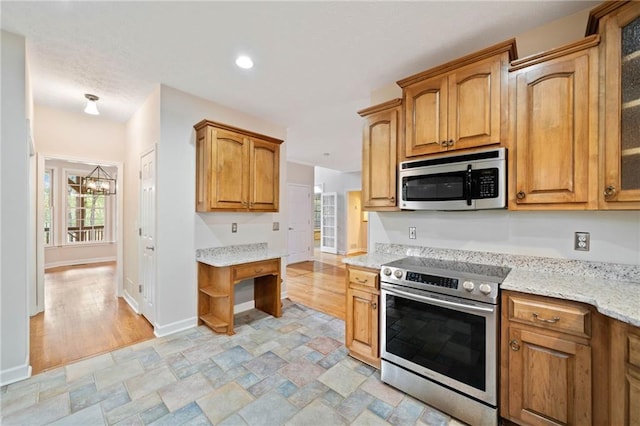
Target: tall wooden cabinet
{"x":548,"y":349}
{"x":236,"y":170}
{"x":361,"y":322}
{"x":619,"y":25}
{"x":554,"y":134}
{"x":458,"y":105}
{"x":380,"y":141}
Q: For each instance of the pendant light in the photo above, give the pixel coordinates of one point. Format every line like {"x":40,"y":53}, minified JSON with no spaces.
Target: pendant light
{"x":92,"y":106}
{"x":99,"y":182}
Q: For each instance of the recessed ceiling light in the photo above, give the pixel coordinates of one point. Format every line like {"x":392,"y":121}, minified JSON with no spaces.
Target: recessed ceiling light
{"x":326,"y":154}
{"x":244,"y":62}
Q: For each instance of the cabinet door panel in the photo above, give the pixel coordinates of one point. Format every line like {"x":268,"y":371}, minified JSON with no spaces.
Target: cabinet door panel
{"x":553,"y":132}
{"x":263,"y":177}
{"x":362,"y":324}
{"x":380,"y":159}
{"x":549,"y":379}
{"x":474,"y":105}
{"x":229,"y":170}
{"x":426,"y":116}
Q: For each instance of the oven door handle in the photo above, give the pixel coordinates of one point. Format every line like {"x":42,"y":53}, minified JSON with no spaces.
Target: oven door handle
{"x":437,"y":302}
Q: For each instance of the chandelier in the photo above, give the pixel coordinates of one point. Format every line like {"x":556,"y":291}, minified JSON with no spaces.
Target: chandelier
{"x":99,"y":182}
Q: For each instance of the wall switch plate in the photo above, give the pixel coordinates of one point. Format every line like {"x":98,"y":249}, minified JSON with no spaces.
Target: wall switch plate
{"x":234,"y":227}
{"x":412,"y":232}
{"x":581,"y":241}
{"x":276,"y":226}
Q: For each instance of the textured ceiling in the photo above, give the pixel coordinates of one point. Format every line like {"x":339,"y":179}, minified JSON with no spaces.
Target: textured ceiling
{"x":316,"y":63}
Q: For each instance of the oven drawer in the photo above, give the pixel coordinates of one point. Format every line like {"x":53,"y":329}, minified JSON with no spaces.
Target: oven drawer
{"x":561,"y":316}
{"x":363,"y":278}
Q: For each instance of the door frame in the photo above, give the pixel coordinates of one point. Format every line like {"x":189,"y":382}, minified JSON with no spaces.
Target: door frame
{"x":346,"y":221}
{"x":36,"y":302}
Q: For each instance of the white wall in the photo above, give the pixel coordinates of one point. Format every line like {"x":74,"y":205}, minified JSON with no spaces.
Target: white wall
{"x":142,"y":133}
{"x":301,"y":174}
{"x":339,"y":182}
{"x":15,"y":226}
{"x":180,"y":230}
{"x":615,"y":236}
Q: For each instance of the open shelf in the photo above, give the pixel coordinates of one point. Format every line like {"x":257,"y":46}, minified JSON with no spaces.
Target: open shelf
{"x":215,"y":323}
{"x":209,"y":291}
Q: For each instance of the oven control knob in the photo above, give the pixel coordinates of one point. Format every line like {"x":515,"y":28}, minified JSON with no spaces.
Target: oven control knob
{"x":386,"y":271}
{"x":484,"y":288}
{"x":397,"y":273}
{"x":468,"y":285}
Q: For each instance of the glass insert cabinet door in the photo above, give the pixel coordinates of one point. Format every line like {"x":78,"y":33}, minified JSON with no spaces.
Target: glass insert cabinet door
{"x":622,"y":104}
{"x":328,"y":223}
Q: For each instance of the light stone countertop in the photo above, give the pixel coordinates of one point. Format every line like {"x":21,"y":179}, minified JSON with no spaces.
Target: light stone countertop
{"x":614,"y":289}
{"x":237,"y":254}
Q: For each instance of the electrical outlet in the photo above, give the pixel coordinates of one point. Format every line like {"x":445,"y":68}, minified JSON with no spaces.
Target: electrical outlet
{"x":412,"y":232}
{"x":234,"y":227}
{"x":581,"y":241}
{"x":276,"y":226}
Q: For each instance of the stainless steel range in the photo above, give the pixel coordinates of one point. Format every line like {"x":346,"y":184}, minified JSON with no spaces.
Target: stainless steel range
{"x":439,"y":332}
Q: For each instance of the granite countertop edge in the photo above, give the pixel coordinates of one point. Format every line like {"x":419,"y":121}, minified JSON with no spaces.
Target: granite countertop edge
{"x":237,"y":254}
{"x":610,"y":295}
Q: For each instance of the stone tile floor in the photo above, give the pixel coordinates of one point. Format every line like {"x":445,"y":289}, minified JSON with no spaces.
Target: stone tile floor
{"x":292,"y":370}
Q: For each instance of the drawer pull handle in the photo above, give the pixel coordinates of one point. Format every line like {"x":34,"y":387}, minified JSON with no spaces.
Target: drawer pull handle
{"x":374,"y":306}
{"x":361,"y":281}
{"x":549,"y":321}
{"x":258,"y":270}
{"x":515,"y":346}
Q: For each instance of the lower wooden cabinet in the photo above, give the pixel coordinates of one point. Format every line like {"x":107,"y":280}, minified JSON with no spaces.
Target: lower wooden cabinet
{"x":624,"y":382}
{"x":361,"y":322}
{"x":549,"y":351}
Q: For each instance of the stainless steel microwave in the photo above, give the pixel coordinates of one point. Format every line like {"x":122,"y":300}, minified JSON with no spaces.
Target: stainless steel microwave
{"x":472,"y":181}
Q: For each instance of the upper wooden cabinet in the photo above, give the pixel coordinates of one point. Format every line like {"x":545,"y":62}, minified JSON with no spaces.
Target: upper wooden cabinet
{"x":236,"y":170}
{"x":380,"y":155}
{"x":554,"y":130}
{"x":458,"y":105}
{"x":619,"y":25}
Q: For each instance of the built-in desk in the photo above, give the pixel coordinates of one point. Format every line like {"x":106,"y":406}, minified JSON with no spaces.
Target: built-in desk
{"x":221,"y":268}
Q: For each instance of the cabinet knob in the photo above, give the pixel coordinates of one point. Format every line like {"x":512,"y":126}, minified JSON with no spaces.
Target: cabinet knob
{"x":374,"y":306}
{"x":450,"y":143}
{"x":609,"y":191}
{"x":520,"y":195}
{"x":443,"y":143}
{"x":515,"y":346}
{"x":392,"y":199}
{"x":244,"y":203}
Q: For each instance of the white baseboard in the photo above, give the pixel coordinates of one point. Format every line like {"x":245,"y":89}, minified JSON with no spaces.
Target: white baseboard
{"x":79,"y":262}
{"x":15,"y":374}
{"x":131,"y":301}
{"x":242,"y":307}
{"x":174,"y":327}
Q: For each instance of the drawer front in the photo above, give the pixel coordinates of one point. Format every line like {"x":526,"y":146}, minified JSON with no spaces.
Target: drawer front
{"x":255,"y":269}
{"x":634,"y":350}
{"x":363,"y":278}
{"x":567,"y":318}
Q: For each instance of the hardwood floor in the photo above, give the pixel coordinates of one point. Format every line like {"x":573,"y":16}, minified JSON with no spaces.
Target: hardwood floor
{"x":82,"y":317}
{"x":319,"y":284}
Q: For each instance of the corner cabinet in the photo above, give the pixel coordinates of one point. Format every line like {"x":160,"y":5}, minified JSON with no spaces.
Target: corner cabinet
{"x":554,"y":137}
{"x":548,"y":350}
{"x":619,"y":26}
{"x":236,"y":170}
{"x":361,"y":322}
{"x":458,"y":105}
{"x":381,"y":135}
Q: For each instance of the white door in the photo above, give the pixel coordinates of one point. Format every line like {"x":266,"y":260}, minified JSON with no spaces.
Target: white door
{"x":299,"y":233}
{"x":147,"y":233}
{"x":329,"y":223}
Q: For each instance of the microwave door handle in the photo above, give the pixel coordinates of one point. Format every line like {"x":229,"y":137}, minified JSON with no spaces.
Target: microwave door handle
{"x":468,"y":183}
